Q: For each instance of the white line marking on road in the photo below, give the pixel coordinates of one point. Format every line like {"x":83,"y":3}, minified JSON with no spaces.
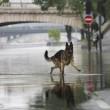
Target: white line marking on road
{"x":82,"y":74}
{"x":88,"y":19}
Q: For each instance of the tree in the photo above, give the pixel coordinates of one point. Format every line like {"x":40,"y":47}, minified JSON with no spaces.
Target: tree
{"x":74,"y":5}
{"x":68,"y":30}
{"x":107,"y":8}
{"x":55,"y":34}
{"x":3,"y":1}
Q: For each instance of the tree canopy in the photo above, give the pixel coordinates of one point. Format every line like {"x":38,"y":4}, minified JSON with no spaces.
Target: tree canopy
{"x":3,"y":1}
{"x":77,"y":6}
{"x":60,"y":4}
{"x":107,"y":8}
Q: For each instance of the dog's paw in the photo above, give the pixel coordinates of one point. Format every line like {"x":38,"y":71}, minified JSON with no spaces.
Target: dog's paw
{"x":79,"y":70}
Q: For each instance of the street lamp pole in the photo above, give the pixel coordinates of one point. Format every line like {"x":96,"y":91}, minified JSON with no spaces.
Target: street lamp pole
{"x":100,"y":42}
{"x":21,"y":2}
{"x":100,"y":14}
{"x":88,"y":12}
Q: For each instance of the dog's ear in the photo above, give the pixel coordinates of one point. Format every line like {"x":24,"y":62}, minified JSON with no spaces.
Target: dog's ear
{"x":71,"y":44}
{"x":66,"y":45}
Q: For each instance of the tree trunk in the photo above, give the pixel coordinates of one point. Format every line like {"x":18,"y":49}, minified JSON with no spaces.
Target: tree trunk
{"x":69,"y":31}
{"x":82,"y":33}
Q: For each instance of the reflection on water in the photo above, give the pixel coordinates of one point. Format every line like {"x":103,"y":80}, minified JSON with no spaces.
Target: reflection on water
{"x":64,"y":96}
{"x":63,"y":91}
{"x":60,"y":95}
{"x":57,"y":94}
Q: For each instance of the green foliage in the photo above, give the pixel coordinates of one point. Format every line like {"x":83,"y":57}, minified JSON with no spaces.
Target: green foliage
{"x":3,"y":1}
{"x":45,"y":4}
{"x":76,"y":6}
{"x":107,"y":8}
{"x":60,"y":4}
{"x":55,"y":34}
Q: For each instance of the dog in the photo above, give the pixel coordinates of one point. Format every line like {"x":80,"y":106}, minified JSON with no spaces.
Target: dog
{"x":62,"y":58}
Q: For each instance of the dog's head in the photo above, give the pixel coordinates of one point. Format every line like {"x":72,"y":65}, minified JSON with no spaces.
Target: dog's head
{"x":69,"y":48}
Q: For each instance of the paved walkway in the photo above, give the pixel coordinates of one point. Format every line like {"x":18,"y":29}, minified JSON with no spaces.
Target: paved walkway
{"x":100,"y":101}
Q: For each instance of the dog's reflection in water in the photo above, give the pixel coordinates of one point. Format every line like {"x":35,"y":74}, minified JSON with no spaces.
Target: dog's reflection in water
{"x":62,"y":91}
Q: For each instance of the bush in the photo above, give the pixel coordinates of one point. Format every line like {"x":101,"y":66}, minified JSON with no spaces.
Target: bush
{"x":55,"y":34}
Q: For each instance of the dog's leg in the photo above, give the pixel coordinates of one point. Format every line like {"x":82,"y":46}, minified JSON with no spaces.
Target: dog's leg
{"x":52,"y":68}
{"x":72,"y":63}
{"x":62,"y":68}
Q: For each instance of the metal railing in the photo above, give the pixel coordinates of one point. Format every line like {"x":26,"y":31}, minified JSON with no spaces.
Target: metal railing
{"x":20,"y":5}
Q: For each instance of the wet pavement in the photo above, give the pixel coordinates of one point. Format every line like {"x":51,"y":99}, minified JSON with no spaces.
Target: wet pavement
{"x":100,"y":100}
{"x":25,"y":83}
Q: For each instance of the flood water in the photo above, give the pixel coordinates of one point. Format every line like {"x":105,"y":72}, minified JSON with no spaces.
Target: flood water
{"x":25,"y":82}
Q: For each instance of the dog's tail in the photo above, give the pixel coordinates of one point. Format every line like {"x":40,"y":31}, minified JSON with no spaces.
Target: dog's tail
{"x":46,"y":56}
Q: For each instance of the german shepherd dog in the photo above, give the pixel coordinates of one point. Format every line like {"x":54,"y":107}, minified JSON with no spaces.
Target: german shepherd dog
{"x":62,"y":58}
